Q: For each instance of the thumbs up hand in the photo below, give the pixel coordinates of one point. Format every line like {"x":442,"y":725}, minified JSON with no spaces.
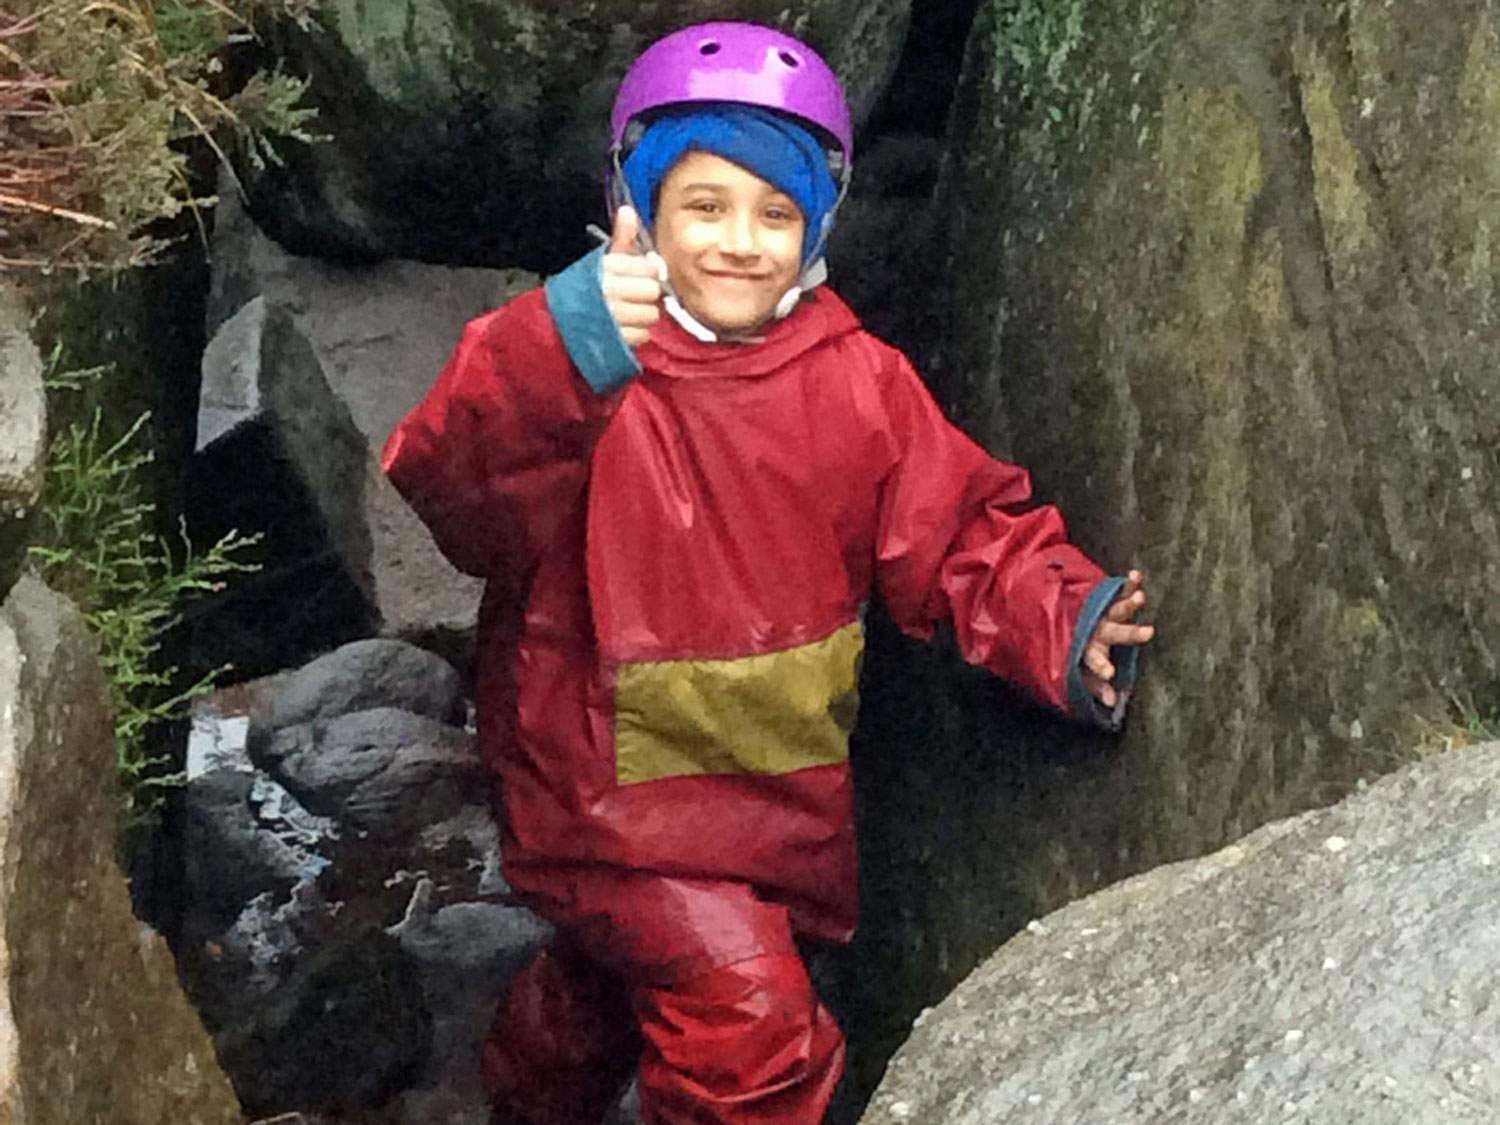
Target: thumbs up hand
{"x":632,"y":285}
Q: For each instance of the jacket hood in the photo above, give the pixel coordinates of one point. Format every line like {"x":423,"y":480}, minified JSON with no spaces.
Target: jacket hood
{"x":822,"y":316}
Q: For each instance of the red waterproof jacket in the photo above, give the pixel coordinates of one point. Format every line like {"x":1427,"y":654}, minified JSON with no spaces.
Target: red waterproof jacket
{"x":670,"y":636}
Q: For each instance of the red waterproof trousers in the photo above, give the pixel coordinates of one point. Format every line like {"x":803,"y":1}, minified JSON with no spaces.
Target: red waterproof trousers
{"x":725,"y":1033}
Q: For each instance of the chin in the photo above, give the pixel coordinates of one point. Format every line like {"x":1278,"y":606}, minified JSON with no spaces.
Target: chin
{"x":731,"y":317}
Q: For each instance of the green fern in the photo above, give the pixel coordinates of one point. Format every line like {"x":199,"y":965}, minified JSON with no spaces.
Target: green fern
{"x":96,"y":544}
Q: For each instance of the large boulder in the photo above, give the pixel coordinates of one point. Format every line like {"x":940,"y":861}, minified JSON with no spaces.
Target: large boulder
{"x":473,"y":133}
{"x":1223,"y":282}
{"x":1338,"y":966}
{"x":94,"y":1027}
{"x":380,"y":334}
{"x":23,"y":434}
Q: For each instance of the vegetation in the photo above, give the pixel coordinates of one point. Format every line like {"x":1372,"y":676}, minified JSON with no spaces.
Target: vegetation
{"x":96,"y":545}
{"x":1469,"y":720}
{"x":103,"y":106}
{"x":96,"y":100}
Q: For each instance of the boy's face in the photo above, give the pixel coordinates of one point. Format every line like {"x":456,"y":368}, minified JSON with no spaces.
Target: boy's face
{"x":732,"y":242}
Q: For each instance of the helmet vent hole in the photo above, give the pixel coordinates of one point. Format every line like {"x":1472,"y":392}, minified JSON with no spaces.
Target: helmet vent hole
{"x":709,"y":47}
{"x":790,"y":59}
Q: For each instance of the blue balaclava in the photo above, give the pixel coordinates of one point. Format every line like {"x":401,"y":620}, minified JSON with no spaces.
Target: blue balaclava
{"x":773,"y":147}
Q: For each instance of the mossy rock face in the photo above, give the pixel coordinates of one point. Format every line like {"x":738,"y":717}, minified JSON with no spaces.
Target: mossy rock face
{"x":1224,"y":281}
{"x":474,"y":133}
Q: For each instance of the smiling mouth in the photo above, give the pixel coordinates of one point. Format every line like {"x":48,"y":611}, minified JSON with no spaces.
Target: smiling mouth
{"x":734,"y":276}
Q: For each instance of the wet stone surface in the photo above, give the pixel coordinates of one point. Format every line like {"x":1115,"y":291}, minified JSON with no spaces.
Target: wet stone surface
{"x":1338,"y":966}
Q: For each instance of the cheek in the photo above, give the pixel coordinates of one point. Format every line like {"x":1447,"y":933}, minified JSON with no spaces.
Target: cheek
{"x":677,"y":241}
{"x":789,"y":254}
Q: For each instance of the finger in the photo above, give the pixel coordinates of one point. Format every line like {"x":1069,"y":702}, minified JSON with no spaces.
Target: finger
{"x":633,"y":315}
{"x":1126,"y":606}
{"x":635,"y":337}
{"x":1096,"y":660}
{"x":629,"y":265}
{"x":639,"y":290}
{"x":622,"y":240}
{"x":1120,"y":633}
{"x":1102,"y":690}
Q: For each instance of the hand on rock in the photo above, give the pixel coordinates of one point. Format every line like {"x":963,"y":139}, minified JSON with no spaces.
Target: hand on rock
{"x":632,"y":284}
{"x":1115,"y":628}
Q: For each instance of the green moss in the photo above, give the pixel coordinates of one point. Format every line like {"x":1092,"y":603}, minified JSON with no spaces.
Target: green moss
{"x":1343,"y":205}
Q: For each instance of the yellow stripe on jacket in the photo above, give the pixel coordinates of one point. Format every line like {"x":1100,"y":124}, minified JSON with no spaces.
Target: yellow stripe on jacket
{"x":767,"y":714}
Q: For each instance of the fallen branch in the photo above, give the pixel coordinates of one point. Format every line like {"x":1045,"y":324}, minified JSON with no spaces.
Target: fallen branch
{"x":22,"y":26}
{"x":16,"y":202}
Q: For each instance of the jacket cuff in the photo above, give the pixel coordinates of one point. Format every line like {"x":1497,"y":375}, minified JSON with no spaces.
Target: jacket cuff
{"x":1081,"y":704}
{"x":575,"y":298}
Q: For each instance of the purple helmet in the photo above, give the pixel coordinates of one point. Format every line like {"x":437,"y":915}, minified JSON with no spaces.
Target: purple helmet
{"x":735,"y":62}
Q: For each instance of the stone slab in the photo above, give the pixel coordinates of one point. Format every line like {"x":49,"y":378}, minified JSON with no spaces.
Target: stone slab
{"x":381,"y":333}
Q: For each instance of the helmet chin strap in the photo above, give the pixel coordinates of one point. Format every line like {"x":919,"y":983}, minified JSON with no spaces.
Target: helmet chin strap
{"x":815,"y":273}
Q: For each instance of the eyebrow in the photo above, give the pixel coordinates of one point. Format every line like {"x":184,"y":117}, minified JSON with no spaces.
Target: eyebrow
{"x":720,"y":189}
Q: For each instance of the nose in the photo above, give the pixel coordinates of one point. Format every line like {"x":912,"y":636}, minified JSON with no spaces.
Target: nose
{"x":737,"y":235}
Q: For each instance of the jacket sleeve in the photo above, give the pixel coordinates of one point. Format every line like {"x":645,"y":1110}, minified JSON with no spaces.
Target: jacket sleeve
{"x":495,"y":458}
{"x":956,"y":540}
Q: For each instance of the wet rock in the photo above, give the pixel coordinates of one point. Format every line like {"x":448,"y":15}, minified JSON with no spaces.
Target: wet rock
{"x":367,"y":674}
{"x":880,"y":256}
{"x":345,"y":1030}
{"x":463,"y":852}
{"x":384,"y":772}
{"x":241,"y":839}
{"x":234,"y":972}
{"x":1338,"y":966}
{"x":505,"y":106}
{"x":279,"y":455}
{"x":466,"y":954}
{"x":347,"y":838}
{"x":93,"y":1024}
{"x":23,"y":434}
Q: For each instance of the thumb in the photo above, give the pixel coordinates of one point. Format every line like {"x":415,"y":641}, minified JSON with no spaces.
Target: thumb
{"x":622,"y":240}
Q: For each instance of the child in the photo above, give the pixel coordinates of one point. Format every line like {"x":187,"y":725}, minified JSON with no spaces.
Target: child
{"x":680,"y":518}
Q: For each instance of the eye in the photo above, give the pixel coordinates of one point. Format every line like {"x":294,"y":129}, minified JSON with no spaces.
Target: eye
{"x":790,"y":59}
{"x":708,"y":47}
